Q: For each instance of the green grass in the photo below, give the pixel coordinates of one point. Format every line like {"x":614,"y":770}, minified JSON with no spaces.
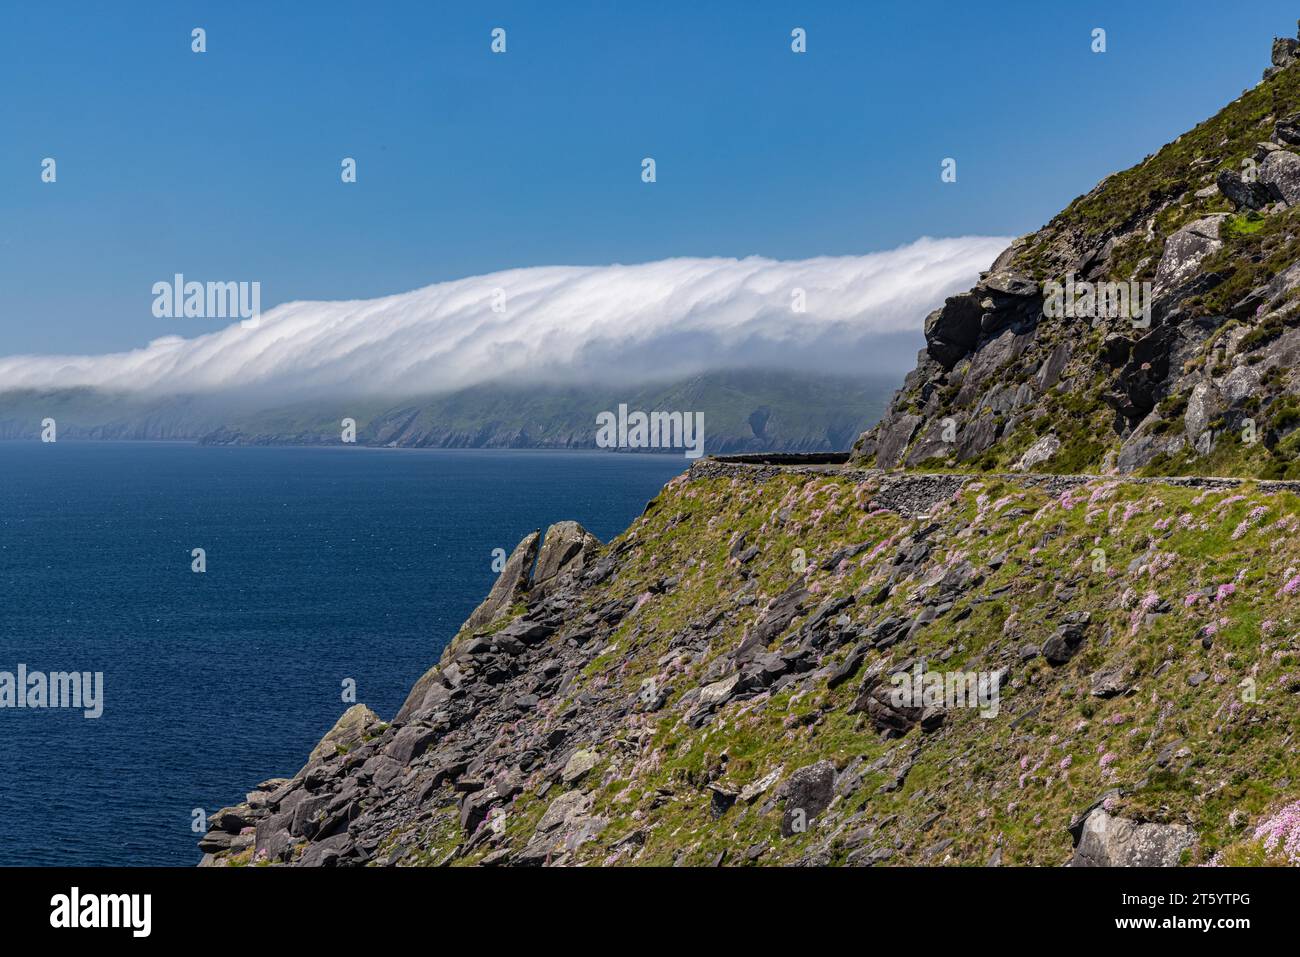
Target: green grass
{"x":992,"y":785}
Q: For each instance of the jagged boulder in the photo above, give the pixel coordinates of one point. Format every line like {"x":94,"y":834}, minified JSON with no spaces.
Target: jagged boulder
{"x":352,"y":727}
{"x":996,"y":354}
{"x":428,"y":691}
{"x":1241,"y":193}
{"x":1203,"y":405}
{"x":1038,"y":453}
{"x":893,"y":438}
{"x":1282,"y":56}
{"x":952,"y":330}
{"x":1115,"y":350}
{"x":566,"y":550}
{"x":1050,"y":371}
{"x":1280,"y":175}
{"x":775,"y":618}
{"x":511,"y":585}
{"x":892,"y":711}
{"x":1287,"y":129}
{"x":1269,"y":296}
{"x":1008,"y":283}
{"x":977,"y":436}
{"x":808,"y":792}
{"x":1145,"y":443}
{"x":1187,"y":248}
{"x":1067,"y":639}
{"x":410,"y":742}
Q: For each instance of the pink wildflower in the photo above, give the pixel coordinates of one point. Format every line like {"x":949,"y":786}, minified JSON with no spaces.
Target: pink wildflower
{"x":1282,"y":828}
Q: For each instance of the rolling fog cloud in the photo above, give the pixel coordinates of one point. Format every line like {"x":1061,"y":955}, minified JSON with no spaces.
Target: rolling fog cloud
{"x":562,"y":324}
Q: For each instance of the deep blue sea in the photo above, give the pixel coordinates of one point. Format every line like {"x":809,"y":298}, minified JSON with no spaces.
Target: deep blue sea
{"x":322,"y":564}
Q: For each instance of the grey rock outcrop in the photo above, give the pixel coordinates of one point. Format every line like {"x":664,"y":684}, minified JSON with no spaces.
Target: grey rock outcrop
{"x":1242,"y":193}
{"x":1108,"y":841}
{"x":1038,"y":453}
{"x":1186,"y":249}
{"x":1103,"y":328}
{"x":565,"y":550}
{"x":1282,"y":56}
{"x":1280,"y":175}
{"x":510,"y":587}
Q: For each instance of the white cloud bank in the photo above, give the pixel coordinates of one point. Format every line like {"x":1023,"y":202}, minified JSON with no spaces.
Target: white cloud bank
{"x":561,"y":324}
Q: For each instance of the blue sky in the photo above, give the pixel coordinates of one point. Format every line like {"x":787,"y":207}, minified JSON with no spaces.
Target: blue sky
{"x":225,"y":165}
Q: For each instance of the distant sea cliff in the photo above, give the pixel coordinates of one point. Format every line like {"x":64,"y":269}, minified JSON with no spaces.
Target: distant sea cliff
{"x":743,"y":411}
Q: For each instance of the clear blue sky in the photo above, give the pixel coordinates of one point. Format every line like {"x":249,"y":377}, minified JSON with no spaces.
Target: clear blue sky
{"x":225,"y":165}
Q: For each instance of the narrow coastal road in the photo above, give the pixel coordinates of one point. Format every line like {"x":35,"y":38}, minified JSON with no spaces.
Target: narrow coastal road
{"x":838,"y":464}
{"x":915,"y":493}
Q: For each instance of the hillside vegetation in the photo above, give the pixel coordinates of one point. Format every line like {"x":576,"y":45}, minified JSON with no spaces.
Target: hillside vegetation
{"x":725,"y":663}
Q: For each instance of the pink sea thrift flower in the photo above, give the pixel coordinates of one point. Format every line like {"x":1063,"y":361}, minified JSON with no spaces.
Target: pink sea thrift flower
{"x":1228,"y":502}
{"x":1283,"y":829}
{"x":1251,"y":519}
{"x":1143,"y":609}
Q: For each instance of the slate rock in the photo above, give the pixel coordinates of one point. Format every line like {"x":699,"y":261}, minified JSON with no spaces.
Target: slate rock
{"x":808,"y":790}
{"x":1108,"y":841}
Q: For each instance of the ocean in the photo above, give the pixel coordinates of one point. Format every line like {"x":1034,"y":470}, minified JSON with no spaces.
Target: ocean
{"x":322,"y":566}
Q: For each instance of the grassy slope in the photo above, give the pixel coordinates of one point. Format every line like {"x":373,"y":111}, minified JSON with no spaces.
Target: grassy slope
{"x":993,"y":783}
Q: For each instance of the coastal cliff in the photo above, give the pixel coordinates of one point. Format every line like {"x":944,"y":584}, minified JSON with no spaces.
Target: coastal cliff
{"x":714,"y":686}
{"x":986,"y":659}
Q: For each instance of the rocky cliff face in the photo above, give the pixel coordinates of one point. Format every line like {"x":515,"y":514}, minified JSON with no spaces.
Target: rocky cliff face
{"x":717,"y":686}
{"x":1151,"y":326}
